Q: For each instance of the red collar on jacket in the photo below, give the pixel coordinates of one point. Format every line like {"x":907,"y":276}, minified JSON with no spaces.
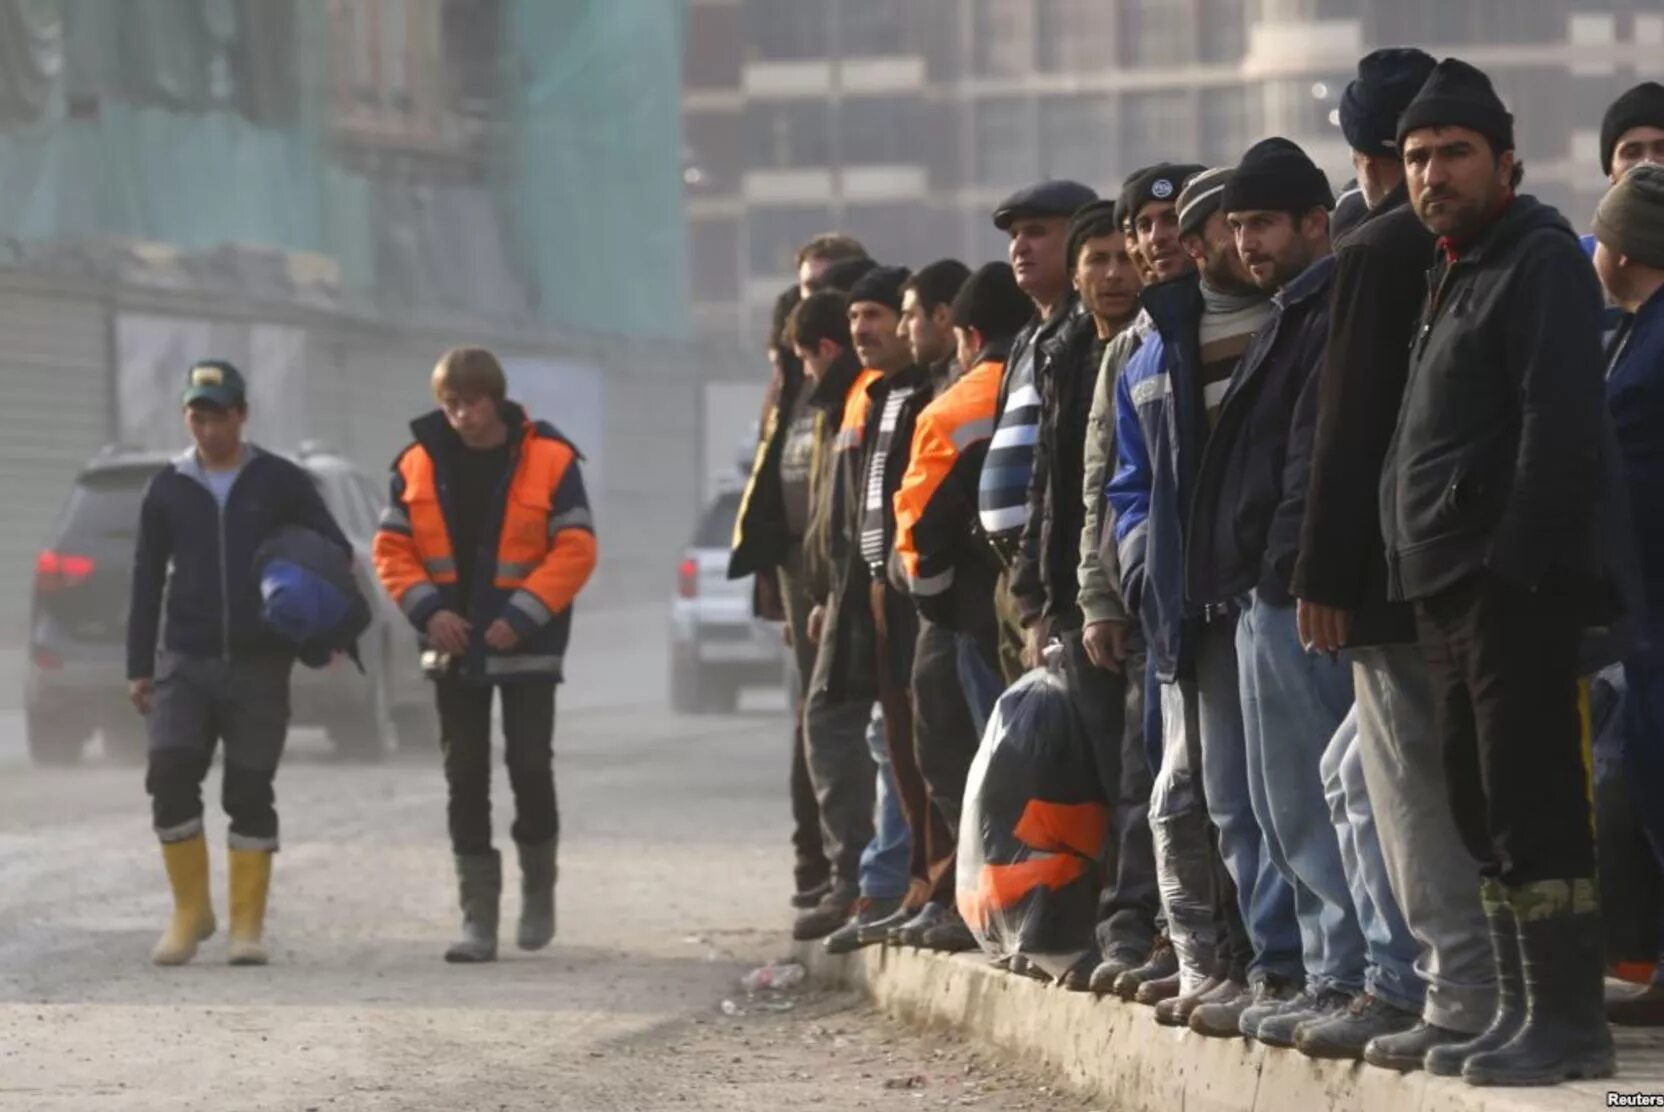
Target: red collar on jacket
{"x":1453,"y":249}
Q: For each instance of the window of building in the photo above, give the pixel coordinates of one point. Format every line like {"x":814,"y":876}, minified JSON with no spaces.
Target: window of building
{"x":1155,"y":33}
{"x":777,"y":232}
{"x":1221,"y":30}
{"x":711,"y":58}
{"x":1007,"y":153}
{"x":714,"y":151}
{"x":1157,"y":127}
{"x":1226,"y":126}
{"x":1078,"y":140}
{"x":1075,"y":36}
{"x":1002,"y":37}
{"x":890,"y":230}
{"x":713,"y":258}
{"x":787,"y":134}
{"x":879,"y":130}
{"x":787,"y":30}
{"x":870,"y":28}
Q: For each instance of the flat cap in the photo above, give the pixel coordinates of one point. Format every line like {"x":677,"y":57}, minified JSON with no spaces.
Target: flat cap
{"x":1049,"y":198}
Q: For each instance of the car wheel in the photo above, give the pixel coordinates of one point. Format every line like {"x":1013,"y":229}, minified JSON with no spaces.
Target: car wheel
{"x":687,"y":694}
{"x":365,"y":732}
{"x":417,"y":728}
{"x":126,"y":743}
{"x":53,"y":742}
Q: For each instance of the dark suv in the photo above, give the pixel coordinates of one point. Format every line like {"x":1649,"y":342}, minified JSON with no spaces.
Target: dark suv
{"x":75,"y":683}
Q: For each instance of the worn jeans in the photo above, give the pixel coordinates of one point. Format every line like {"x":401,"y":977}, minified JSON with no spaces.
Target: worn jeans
{"x":1434,"y":879}
{"x":1182,"y":843}
{"x":886,"y":859}
{"x":1293,"y":701}
{"x":1263,"y":892}
{"x":1390,"y":950}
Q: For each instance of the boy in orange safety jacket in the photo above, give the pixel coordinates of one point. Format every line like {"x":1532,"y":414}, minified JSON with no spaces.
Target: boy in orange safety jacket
{"x":486,"y":543}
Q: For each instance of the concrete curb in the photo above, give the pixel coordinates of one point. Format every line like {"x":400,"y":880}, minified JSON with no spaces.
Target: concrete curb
{"x":1118,"y":1052}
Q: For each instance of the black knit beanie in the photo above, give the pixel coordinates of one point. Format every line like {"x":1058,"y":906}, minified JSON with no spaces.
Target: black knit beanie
{"x":1458,"y":95}
{"x":1642,"y":106}
{"x":881,"y":284}
{"x":1276,"y":175}
{"x":1161,"y":182}
{"x":1386,"y":83}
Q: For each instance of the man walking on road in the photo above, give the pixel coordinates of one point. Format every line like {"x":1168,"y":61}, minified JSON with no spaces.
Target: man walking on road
{"x":486,"y":543}
{"x":221,"y":675}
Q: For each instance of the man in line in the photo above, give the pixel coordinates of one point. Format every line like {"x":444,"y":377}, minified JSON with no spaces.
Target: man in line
{"x":1036,"y":219}
{"x":943,"y":731}
{"x":221,"y":675}
{"x":1629,"y":258}
{"x":1489,"y":498}
{"x":1166,"y":404}
{"x":1341,"y":581}
{"x":485,"y":544}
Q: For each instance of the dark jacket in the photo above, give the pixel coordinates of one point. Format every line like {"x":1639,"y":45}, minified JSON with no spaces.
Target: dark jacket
{"x":1496,"y":460}
{"x":213,"y":591}
{"x":1160,"y":430}
{"x":311,"y":595}
{"x":828,"y":399}
{"x":1379,"y":284}
{"x":1251,"y":489}
{"x":901,"y":616}
{"x":1046,"y":583}
{"x":762,"y":540}
{"x":1635,"y":397}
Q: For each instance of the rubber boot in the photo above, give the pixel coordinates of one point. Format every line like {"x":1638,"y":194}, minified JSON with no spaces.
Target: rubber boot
{"x":193,"y":909}
{"x":480,"y":886}
{"x":1565,"y":1035}
{"x":538,"y":873}
{"x":1447,"y":1060}
{"x":251,"y":879}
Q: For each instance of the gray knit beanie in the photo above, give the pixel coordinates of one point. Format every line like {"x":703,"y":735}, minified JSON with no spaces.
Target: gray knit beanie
{"x":1630,"y":219}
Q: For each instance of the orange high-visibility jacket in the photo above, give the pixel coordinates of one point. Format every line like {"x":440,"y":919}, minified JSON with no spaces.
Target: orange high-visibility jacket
{"x":544,"y":554}
{"x":936,"y":507}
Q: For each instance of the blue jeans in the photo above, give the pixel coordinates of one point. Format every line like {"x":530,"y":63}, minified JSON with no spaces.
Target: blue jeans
{"x":1263,"y":894}
{"x":1391,"y":950}
{"x":886,"y":861}
{"x":983,"y":686}
{"x":1292,"y":704}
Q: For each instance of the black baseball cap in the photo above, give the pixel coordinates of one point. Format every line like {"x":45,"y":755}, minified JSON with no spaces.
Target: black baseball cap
{"x":215,"y":382}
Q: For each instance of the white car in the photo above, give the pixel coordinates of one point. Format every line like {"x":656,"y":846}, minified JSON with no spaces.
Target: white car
{"x":717,"y":647}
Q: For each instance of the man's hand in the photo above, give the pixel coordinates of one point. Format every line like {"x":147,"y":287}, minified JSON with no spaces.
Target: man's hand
{"x":449,"y":632}
{"x":817,"y":623}
{"x":500,"y":637}
{"x":1106,"y":644}
{"x":1323,"y":629}
{"x":1034,"y":642}
{"x":139,"y":691}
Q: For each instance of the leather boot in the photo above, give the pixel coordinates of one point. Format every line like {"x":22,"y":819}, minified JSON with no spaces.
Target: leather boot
{"x":538,"y":873}
{"x":251,"y":880}
{"x":193,"y":910}
{"x":1407,"y":1052}
{"x":1447,"y":1060}
{"x":1175,"y":1011}
{"x":1163,"y":963}
{"x":480,"y":890}
{"x":1564,"y":1036}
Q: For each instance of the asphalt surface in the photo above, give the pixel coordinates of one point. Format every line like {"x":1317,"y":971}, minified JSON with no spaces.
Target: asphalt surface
{"x":674,"y":876}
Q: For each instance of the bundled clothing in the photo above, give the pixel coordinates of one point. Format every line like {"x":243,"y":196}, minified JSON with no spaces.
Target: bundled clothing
{"x":311,"y":596}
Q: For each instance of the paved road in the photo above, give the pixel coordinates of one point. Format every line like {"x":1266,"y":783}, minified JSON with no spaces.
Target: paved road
{"x":674,"y":873}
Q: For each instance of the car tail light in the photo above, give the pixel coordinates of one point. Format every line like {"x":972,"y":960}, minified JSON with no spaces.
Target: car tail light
{"x":687,"y":578}
{"x":48,"y":661}
{"x":59,"y":571}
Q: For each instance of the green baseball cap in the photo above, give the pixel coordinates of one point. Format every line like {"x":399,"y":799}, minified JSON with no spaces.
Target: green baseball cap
{"x":216,"y":383}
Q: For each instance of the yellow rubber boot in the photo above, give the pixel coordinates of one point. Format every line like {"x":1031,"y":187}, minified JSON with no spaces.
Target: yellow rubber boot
{"x":193,"y":910}
{"x":251,"y":878}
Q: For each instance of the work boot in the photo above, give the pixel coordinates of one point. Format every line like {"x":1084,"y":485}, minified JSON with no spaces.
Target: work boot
{"x":1223,"y":1019}
{"x":1281,"y":1028}
{"x":1564,"y":1036}
{"x":832,"y":912}
{"x":479,"y":880}
{"x":1447,"y":1060}
{"x":1151,"y":993}
{"x":951,"y":935}
{"x":193,"y":909}
{"x":1345,"y":1035}
{"x":1643,"y":1007}
{"x":1078,"y":977}
{"x":251,"y":879}
{"x":538,"y":873}
{"x":1115,"y":963}
{"x":868,"y":910}
{"x":1407,"y":1052}
{"x":1175,"y":1011}
{"x":879,"y":931}
{"x":1163,"y":962}
{"x":912,"y":932}
{"x":806,"y":899}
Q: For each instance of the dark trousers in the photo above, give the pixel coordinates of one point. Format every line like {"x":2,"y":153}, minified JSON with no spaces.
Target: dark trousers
{"x":810,"y":867}
{"x":528,"y":751}
{"x":198,"y":704}
{"x":1112,"y":712}
{"x":1508,"y":707}
{"x":932,"y":862}
{"x":945,"y":738}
